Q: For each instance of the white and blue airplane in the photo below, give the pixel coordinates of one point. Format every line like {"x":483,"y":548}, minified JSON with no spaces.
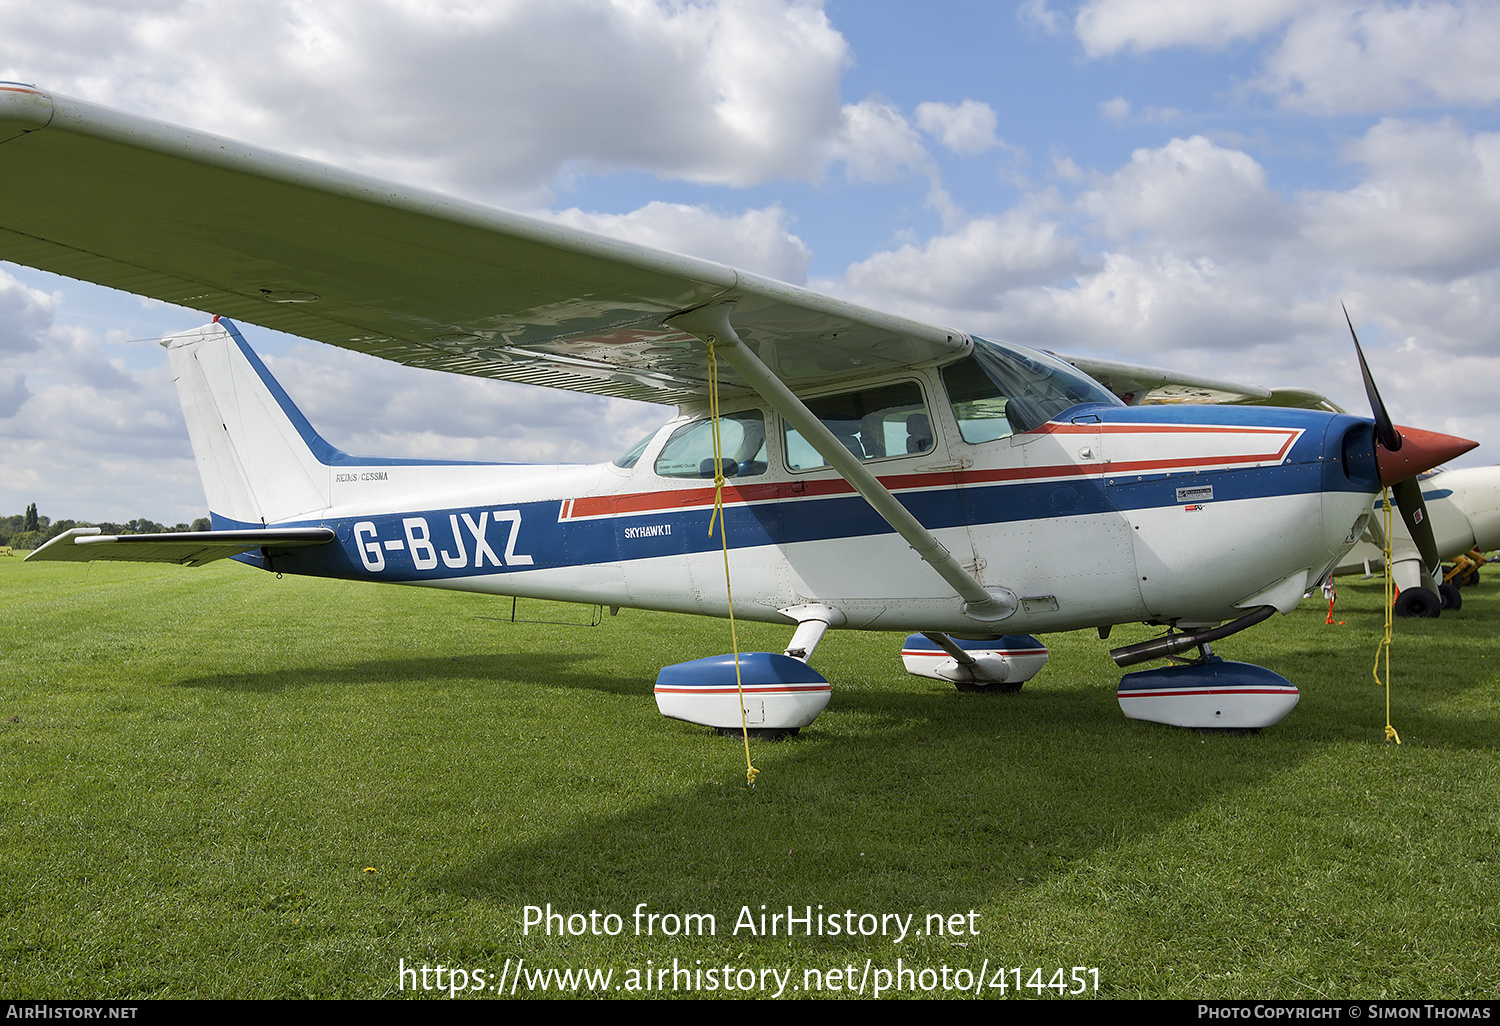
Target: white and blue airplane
{"x":878,"y":473}
{"x":1464,"y":517}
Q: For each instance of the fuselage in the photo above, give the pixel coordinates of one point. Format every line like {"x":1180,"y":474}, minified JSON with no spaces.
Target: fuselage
{"x":1101,"y":514}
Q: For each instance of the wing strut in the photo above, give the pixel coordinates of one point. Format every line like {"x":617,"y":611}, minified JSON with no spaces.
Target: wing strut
{"x":712,"y":325}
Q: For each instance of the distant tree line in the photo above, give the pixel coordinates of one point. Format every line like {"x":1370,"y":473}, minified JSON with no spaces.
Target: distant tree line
{"x":29,"y":530}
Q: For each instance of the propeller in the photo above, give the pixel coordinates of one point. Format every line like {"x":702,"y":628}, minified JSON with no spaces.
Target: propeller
{"x":1385,"y":432}
{"x":1403,"y":453}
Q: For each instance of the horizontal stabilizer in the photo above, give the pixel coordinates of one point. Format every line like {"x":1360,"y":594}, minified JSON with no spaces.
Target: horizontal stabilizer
{"x":188,"y":548}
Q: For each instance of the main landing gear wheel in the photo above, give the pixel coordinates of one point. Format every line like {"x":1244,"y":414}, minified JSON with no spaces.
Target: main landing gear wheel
{"x":759,"y":733}
{"x":1452,"y":598}
{"x":1418,"y":602}
{"x":1006,"y":688}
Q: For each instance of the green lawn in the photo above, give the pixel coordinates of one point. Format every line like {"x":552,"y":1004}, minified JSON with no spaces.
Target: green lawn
{"x":214,"y":783}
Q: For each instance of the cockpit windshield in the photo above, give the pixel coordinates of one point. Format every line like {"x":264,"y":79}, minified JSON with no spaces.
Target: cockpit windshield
{"x":999,"y":391}
{"x":634,"y":453}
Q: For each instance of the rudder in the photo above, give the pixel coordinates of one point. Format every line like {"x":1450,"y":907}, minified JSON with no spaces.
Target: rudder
{"x":260,"y":460}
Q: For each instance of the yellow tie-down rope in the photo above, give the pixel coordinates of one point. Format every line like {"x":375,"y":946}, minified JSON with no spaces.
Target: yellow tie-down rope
{"x":1384,"y":648}
{"x":713,"y":412}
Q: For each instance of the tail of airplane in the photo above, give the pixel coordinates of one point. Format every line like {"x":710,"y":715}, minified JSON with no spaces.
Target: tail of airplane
{"x":260,"y":460}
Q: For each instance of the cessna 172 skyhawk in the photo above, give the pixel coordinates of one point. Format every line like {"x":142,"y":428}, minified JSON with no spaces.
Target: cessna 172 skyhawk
{"x":880,"y":473}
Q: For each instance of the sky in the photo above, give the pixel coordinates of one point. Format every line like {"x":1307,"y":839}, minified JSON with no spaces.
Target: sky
{"x":1179,"y":183}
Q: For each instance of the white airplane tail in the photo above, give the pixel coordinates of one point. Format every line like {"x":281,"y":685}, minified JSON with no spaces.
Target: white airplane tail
{"x":260,"y":460}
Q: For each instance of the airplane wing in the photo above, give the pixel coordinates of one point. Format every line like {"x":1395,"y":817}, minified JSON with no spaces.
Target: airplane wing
{"x":1152,"y":386}
{"x":416,"y":277}
{"x":188,"y":548}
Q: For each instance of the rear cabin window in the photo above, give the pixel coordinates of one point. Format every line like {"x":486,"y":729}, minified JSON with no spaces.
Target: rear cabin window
{"x":873,"y":424}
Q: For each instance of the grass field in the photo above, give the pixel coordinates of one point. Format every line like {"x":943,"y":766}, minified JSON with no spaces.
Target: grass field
{"x":214,"y":783}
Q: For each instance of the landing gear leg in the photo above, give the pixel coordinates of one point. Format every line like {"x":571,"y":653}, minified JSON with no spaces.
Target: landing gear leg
{"x":993,"y":666}
{"x":968,"y":674}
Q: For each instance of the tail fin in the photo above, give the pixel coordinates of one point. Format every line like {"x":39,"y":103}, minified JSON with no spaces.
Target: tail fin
{"x":260,"y":460}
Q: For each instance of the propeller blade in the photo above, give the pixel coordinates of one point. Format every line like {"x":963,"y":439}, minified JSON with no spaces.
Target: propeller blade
{"x":1409,"y":501}
{"x":1419,"y":451}
{"x":1385,"y":432}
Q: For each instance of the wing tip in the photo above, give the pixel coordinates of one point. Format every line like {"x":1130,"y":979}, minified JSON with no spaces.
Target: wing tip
{"x":23,"y":108}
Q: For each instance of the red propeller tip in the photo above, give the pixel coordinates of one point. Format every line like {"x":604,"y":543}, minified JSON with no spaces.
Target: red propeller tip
{"x":1420,"y":451}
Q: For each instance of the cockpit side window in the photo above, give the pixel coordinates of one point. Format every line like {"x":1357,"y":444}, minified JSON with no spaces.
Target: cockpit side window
{"x":998,"y":391}
{"x":742,"y":444}
{"x":875,"y":423}
{"x":978,"y":404}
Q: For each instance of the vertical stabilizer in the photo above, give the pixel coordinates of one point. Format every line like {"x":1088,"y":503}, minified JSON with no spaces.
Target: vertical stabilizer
{"x":260,"y":460}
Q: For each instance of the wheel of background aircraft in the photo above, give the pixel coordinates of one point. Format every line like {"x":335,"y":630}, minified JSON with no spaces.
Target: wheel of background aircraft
{"x":1450,"y":596}
{"x":1463,"y":580}
{"x":1418,"y":602}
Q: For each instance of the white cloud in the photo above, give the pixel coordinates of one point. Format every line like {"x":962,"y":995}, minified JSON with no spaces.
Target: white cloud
{"x":756,"y":240}
{"x":1190,"y":195}
{"x":955,"y":277}
{"x":401,"y":411}
{"x":1117,"y":109}
{"x":1198,"y":264}
{"x":494,"y":99}
{"x":1429,"y":205}
{"x":1107,"y":26}
{"x":1036,"y":12}
{"x":25,"y":315}
{"x":968,"y":127}
{"x":13,"y":392}
{"x":1120,"y":112}
{"x":1334,"y":56}
{"x":120,"y":441}
{"x":878,"y":144}
{"x":1157,"y":308}
{"x":1382,"y":57}
{"x":90,"y":439}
